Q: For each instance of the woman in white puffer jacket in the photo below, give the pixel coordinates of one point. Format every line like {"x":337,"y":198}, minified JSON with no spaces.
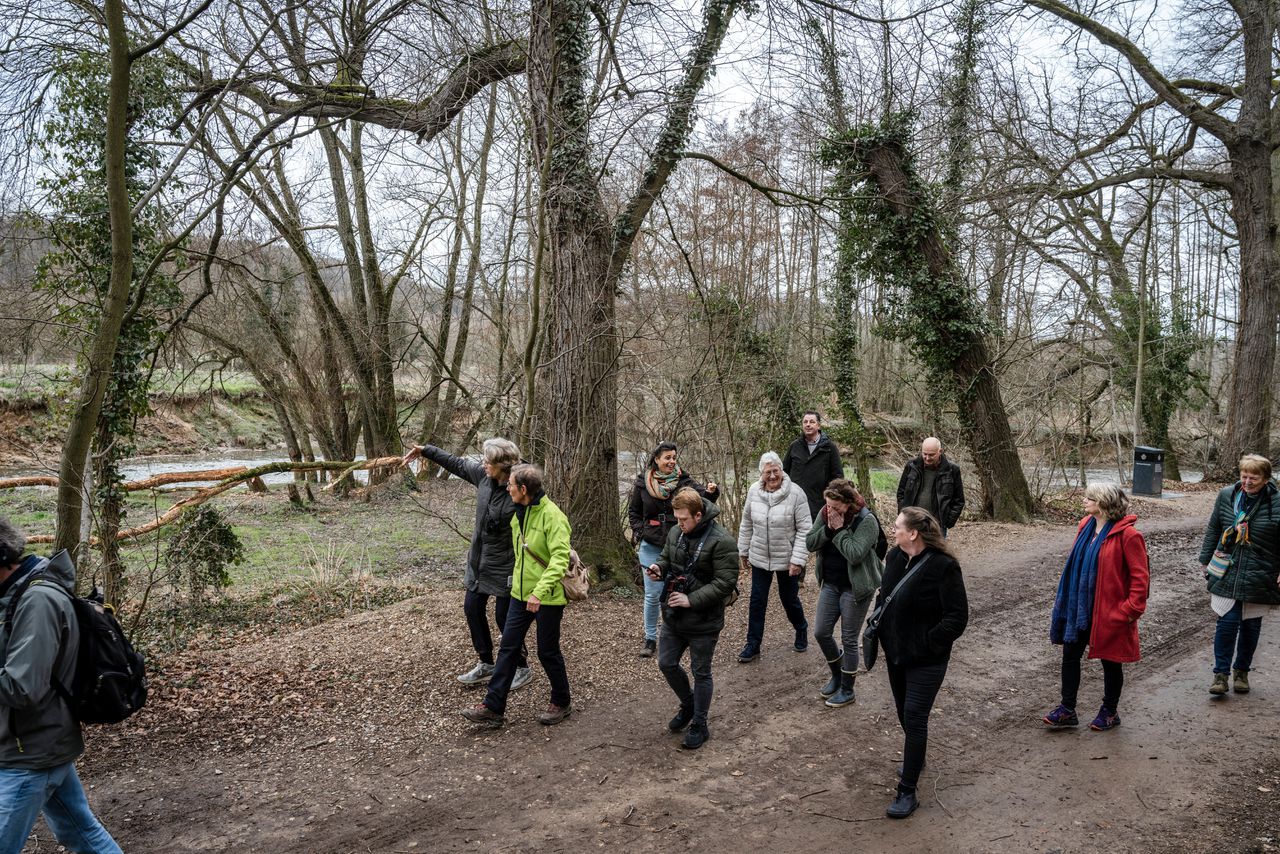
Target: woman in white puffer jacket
{"x":775,"y":521}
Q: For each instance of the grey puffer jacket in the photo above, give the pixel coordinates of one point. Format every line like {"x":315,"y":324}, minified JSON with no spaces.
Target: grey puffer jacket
{"x":492,"y":557}
{"x":774,"y":525}
{"x":37,"y":729}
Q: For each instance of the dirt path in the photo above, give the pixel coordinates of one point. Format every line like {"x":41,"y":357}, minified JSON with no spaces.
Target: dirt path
{"x":351,"y":770}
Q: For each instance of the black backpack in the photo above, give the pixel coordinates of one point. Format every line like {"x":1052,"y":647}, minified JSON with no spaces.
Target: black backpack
{"x":882,"y":543}
{"x":110,"y":681}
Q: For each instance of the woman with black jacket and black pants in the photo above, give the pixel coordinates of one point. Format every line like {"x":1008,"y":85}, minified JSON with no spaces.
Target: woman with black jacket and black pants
{"x":916,"y":632}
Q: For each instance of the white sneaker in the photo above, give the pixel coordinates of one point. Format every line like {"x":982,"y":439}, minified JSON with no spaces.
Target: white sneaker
{"x":522,"y":677}
{"x":477,"y":675}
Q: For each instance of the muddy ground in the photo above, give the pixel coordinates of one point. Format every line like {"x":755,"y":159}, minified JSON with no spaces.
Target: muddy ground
{"x":344,"y":737}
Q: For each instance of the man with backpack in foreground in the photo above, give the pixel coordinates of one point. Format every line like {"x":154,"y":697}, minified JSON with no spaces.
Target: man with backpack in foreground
{"x":39,"y":736}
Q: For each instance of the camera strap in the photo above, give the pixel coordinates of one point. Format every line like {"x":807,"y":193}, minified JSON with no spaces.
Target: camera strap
{"x":693,"y":561}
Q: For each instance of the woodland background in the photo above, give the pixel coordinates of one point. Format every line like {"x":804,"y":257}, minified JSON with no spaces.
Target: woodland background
{"x":1046,"y":234}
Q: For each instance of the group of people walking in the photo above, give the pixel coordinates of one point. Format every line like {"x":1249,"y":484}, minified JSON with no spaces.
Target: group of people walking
{"x":800,"y":507}
{"x":801,"y":510}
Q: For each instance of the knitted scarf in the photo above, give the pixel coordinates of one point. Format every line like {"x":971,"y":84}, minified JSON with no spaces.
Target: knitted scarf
{"x":1073,"y":606}
{"x":661,"y":485}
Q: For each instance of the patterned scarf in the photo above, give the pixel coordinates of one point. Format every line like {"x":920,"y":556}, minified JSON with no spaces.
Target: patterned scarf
{"x":1073,"y":606}
{"x":1239,"y":532}
{"x":661,"y":485}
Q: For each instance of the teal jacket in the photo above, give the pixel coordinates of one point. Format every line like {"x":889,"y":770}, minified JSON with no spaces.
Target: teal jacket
{"x":712,"y":577}
{"x":546,"y":532}
{"x":1252,"y":575}
{"x":858,"y":545}
{"x":37,"y":729}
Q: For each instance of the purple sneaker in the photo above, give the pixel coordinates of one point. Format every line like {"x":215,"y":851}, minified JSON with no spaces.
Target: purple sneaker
{"x":1061,"y":718}
{"x":1105,"y":720}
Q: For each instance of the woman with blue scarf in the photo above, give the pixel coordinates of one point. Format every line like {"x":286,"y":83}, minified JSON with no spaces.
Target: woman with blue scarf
{"x":1101,"y":595}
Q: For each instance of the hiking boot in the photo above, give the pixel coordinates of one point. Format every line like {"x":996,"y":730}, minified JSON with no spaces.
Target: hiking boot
{"x":904,"y":803}
{"x":1061,"y":718}
{"x":844,"y":696}
{"x":681,"y":720}
{"x":802,"y":640}
{"x":554,"y":714}
{"x":1219,"y":686}
{"x":478,"y":675}
{"x":521,"y":679}
{"x":1241,"y":683}
{"x":650,"y":647}
{"x":1105,"y":720}
{"x":833,"y":684}
{"x":695,"y":737}
{"x":749,"y":653}
{"x":482,"y":714}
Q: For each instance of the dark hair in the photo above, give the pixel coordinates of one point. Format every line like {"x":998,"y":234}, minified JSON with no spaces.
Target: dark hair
{"x":662,"y":448}
{"x":527,"y":475}
{"x":928,"y":527}
{"x":688,"y":499}
{"x":844,"y":491}
{"x":815,"y":413}
{"x":12,"y":544}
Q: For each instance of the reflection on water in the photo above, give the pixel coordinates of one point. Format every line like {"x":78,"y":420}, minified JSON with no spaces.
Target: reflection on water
{"x":140,"y":468}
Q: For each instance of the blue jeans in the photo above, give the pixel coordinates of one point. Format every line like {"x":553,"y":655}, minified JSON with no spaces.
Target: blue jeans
{"x":519,"y":619}
{"x":648,"y":555}
{"x":57,"y":792}
{"x":788,"y":594}
{"x":1231,"y":627}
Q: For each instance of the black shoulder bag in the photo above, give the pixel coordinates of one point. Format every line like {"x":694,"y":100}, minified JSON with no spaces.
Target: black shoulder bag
{"x":870,"y":636}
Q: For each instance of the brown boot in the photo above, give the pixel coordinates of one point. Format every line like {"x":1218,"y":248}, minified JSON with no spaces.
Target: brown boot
{"x":1219,"y":686}
{"x":554,"y":714}
{"x":1241,"y":683}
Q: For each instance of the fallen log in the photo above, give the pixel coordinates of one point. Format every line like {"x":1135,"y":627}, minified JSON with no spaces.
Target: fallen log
{"x":152,"y":482}
{"x":231,"y":482}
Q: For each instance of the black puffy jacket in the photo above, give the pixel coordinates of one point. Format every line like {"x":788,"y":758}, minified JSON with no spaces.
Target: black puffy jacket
{"x":650,"y":517}
{"x":1253,"y":572}
{"x":492,"y":555}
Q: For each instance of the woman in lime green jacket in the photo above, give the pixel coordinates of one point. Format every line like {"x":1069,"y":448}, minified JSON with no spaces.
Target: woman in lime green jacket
{"x":540,"y":535}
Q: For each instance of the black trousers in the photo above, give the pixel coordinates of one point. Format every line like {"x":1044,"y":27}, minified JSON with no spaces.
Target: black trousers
{"x":476,"y":607}
{"x":1112,"y":676}
{"x":914,"y":690}
{"x":519,"y":619}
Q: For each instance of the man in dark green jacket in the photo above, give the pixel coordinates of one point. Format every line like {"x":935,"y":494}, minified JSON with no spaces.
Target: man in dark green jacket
{"x":39,"y":737}
{"x":699,"y":565}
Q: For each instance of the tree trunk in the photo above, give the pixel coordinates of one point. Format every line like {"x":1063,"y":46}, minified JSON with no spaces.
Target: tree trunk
{"x":976,"y":391}
{"x":578,"y":406}
{"x":1249,"y":397}
{"x":84,"y":417}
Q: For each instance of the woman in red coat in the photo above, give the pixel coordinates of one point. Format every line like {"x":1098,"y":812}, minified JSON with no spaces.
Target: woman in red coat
{"x":1101,"y":595}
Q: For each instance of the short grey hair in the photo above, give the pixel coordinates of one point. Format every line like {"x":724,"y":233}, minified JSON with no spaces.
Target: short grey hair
{"x":12,"y":541}
{"x":501,"y":453}
{"x":769,"y":457}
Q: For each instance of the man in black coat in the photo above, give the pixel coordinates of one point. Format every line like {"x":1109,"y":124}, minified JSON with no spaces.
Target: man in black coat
{"x":813,"y":461}
{"x":932,"y":482}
